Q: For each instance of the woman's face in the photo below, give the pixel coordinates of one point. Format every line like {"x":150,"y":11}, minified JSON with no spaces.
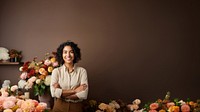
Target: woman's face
{"x":68,"y":54}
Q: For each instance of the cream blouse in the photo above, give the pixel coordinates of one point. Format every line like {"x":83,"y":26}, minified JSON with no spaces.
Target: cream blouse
{"x":68,"y":80}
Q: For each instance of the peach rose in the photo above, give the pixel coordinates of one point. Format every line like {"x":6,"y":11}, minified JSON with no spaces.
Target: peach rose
{"x":185,"y":108}
{"x":170,"y":104}
{"x":154,"y":106}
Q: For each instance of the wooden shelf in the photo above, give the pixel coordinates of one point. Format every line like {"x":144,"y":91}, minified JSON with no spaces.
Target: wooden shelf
{"x":11,"y":63}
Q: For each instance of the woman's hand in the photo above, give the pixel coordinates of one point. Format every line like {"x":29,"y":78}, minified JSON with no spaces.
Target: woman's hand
{"x":80,"y":88}
{"x":56,"y":85}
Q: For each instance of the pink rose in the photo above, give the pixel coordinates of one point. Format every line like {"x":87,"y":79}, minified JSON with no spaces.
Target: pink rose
{"x":185,"y":108}
{"x":154,"y":106}
{"x":19,"y":110}
{"x":55,"y":64}
{"x":152,"y":110}
{"x":170,"y":104}
{"x":47,"y":62}
{"x":24,"y":75}
{"x":8,"y":104}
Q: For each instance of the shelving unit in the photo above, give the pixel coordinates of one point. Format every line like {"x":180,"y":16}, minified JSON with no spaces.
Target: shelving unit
{"x":11,"y":63}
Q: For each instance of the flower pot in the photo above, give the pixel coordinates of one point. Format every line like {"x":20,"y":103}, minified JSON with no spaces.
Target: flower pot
{"x":46,"y":98}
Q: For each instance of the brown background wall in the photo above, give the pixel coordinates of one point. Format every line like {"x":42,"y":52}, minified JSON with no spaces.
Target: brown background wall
{"x":131,"y":49}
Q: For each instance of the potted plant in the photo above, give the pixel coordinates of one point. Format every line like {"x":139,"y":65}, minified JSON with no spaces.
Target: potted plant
{"x":15,"y":55}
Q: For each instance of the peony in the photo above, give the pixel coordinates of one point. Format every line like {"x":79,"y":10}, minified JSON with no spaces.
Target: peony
{"x":24,"y":75}
{"x":47,"y":62}
{"x":40,"y":107}
{"x":137,"y":101}
{"x":170,"y":104}
{"x":14,"y":88}
{"x":32,"y":79}
{"x":152,"y":110}
{"x":103,"y":106}
{"x":4,"y":55}
{"x":47,"y":80}
{"x":154,"y":106}
{"x":8,"y":104}
{"x":21,"y":84}
{"x":185,"y":108}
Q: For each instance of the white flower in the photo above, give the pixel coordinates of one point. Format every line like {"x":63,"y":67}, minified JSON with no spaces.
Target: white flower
{"x":47,"y":80}
{"x":21,"y":68}
{"x":6,"y":84}
{"x":22,"y":83}
{"x":137,"y":101}
{"x":182,"y":102}
{"x":14,"y":88}
{"x":38,"y":81}
{"x":4,"y":53}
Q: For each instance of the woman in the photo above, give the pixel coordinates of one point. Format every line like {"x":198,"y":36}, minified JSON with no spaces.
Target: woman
{"x":69,"y":83}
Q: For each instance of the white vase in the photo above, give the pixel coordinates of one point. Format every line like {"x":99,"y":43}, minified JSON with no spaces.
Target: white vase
{"x":46,"y":98}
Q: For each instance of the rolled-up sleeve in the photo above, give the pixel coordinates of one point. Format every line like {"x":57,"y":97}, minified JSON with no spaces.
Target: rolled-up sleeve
{"x":55,"y":92}
{"x":84,"y":80}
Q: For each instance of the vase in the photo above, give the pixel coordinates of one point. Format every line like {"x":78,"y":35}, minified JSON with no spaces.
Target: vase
{"x":46,"y":98}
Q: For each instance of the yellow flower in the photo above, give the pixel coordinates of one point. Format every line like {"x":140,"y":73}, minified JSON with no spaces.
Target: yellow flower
{"x":162,"y":110}
{"x":50,"y":69}
{"x":53,"y":60}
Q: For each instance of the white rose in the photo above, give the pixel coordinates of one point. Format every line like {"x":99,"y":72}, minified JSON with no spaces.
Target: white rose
{"x":47,"y":80}
{"x":38,"y":81}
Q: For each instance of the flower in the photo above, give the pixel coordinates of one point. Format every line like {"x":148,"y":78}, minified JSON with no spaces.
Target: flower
{"x":37,"y":74}
{"x":176,"y":105}
{"x":13,"y":53}
{"x":4,"y":53}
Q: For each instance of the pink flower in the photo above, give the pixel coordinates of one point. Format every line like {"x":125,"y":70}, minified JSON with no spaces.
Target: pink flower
{"x":32,"y":79}
{"x":19,"y":102}
{"x":170,"y":104}
{"x":24,"y":75}
{"x":8,"y":104}
{"x":12,"y":98}
{"x":41,"y":107}
{"x":4,"y":94}
{"x":55,"y":64}
{"x":19,"y":110}
{"x":152,"y":110}
{"x":185,"y":108}
{"x":47,"y":62}
{"x":2,"y":99}
{"x":154,"y":106}
{"x":28,"y":106}
{"x":14,"y":88}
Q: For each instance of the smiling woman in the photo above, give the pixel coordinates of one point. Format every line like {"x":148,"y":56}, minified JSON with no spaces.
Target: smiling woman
{"x":69,"y":83}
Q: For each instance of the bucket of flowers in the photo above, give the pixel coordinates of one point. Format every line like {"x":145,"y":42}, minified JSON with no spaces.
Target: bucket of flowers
{"x":36,"y":75}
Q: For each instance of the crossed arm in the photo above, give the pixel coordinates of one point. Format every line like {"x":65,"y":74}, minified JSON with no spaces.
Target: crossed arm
{"x":71,"y":93}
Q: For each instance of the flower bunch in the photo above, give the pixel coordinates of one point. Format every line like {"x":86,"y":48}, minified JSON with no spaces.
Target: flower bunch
{"x":13,"y":53}
{"x":134,"y":107}
{"x":111,"y":107}
{"x":176,"y":105}
{"x":37,"y":74}
{"x":14,"y":104}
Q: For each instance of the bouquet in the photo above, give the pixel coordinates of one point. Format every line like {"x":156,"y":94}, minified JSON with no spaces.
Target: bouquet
{"x":37,"y":74}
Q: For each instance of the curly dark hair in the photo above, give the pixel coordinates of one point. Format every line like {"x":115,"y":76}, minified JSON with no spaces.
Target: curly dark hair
{"x":76,"y":50}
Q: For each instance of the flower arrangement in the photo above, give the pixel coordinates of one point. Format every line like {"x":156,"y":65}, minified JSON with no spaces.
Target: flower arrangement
{"x":11,"y":101}
{"x":175,"y":105}
{"x":14,"y":104}
{"x":37,"y":74}
{"x":165,"y":105}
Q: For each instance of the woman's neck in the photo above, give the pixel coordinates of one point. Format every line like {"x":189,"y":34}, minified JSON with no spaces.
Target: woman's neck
{"x":69,"y":67}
